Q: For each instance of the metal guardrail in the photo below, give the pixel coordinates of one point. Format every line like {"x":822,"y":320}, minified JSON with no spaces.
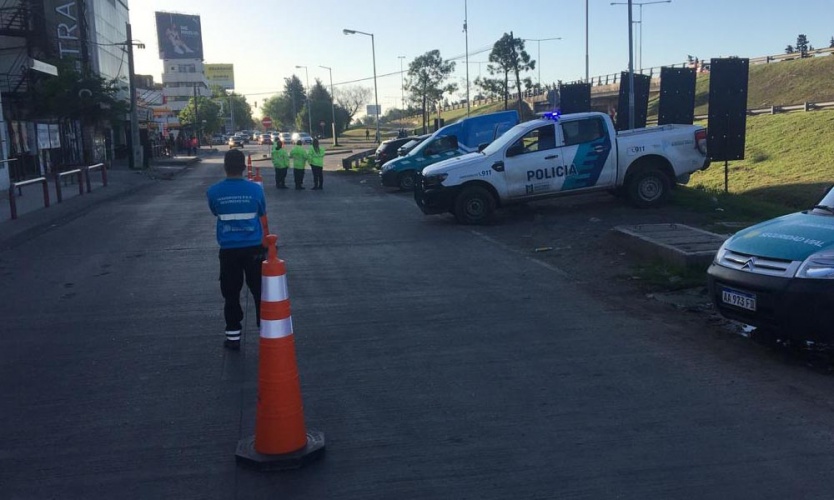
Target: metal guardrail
{"x":18,"y":185}
{"x":61,"y":175}
{"x":354,"y":159}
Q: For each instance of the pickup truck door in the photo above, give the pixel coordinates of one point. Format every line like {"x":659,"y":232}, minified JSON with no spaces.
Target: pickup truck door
{"x":532,"y":163}
{"x":587,"y":155}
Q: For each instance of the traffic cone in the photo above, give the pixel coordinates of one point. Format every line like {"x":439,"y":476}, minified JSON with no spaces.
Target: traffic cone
{"x":281,"y":440}
{"x":258,"y":179}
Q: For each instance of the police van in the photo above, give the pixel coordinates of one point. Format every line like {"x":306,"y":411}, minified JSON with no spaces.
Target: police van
{"x":563,"y":155}
{"x":461,"y":137}
{"x":779,"y":276}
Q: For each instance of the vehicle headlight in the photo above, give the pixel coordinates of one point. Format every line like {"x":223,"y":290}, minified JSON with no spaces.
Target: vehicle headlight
{"x":434,"y":180}
{"x":818,"y":266}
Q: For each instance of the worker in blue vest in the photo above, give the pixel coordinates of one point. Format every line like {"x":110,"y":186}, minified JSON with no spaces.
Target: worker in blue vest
{"x":240,"y":208}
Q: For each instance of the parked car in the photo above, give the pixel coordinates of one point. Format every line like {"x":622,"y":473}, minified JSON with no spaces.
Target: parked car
{"x":408,"y":146}
{"x":235,"y":141}
{"x":468,"y":134}
{"x":779,"y":276}
{"x":304,"y":137}
{"x":217,"y":139}
{"x":388,"y":150}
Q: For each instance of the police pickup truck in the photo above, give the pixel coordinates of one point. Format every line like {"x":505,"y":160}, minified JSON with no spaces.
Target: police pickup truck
{"x":562,"y":155}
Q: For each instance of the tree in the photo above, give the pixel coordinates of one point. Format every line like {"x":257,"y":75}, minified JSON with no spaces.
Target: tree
{"x":802,"y":45}
{"x":242,"y":109}
{"x":321,"y":110}
{"x":509,"y":56}
{"x":207,"y":119}
{"x":72,"y":95}
{"x":425,"y":83}
{"x":351,"y":99}
{"x":831,"y":43}
{"x":789,"y":49}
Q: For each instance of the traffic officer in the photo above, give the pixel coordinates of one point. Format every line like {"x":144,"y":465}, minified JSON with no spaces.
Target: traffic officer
{"x":299,"y":160}
{"x":316,"y":158}
{"x":240,"y":208}
{"x":281,"y":162}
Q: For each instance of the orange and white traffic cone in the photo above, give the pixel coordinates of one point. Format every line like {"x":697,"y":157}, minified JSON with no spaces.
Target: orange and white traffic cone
{"x":281,"y":440}
{"x":258,"y":179}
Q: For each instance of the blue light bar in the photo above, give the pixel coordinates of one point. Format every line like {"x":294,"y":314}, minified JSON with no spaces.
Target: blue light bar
{"x":552,"y":115}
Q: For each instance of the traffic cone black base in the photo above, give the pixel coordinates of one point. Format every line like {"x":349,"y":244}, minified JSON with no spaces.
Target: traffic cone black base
{"x":246,"y":454}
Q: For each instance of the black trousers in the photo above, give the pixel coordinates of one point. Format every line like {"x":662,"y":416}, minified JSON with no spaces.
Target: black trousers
{"x":280,"y":177}
{"x":237,"y":264}
{"x":298,"y":176}
{"x":318,"y":176}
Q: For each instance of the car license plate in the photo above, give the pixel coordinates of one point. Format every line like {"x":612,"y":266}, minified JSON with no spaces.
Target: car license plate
{"x":739,"y":299}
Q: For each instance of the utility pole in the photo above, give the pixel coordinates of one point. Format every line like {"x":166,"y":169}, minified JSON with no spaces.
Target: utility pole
{"x":135,"y":158}
{"x":466,"y":30}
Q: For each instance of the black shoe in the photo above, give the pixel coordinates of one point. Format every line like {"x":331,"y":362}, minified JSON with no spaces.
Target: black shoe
{"x":298,"y":188}
{"x":232,"y":345}
{"x":282,"y":186}
{"x":316,"y":188}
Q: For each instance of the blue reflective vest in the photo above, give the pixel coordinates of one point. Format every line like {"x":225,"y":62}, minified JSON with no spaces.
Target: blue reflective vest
{"x":238,"y":205}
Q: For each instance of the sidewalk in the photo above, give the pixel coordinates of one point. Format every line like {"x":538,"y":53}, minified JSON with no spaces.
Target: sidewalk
{"x":33,"y":217}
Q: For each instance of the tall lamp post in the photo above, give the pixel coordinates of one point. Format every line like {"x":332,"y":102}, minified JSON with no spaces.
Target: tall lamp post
{"x":539,"y":49}
{"x":640,"y":22}
{"x":373,"y":52}
{"x":402,"y":89}
{"x":332,"y":106}
{"x":309,"y":114}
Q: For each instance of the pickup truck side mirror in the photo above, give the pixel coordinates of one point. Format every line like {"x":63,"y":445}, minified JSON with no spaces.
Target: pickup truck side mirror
{"x":482,"y":146}
{"x":515,"y":150}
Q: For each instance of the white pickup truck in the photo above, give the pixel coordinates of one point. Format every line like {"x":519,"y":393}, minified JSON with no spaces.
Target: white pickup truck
{"x":562,"y":155}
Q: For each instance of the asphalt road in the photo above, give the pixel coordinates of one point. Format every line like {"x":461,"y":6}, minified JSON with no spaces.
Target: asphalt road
{"x":439,"y":361}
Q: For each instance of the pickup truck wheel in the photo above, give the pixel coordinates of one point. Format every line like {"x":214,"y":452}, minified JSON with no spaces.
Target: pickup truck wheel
{"x":406,"y":181}
{"x":474,"y":205}
{"x":648,"y":188}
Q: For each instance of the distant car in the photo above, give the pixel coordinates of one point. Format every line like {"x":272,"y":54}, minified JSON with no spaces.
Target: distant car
{"x":275,"y":136}
{"x":265,"y":139}
{"x":304,"y":137}
{"x":388,"y":150}
{"x":244,"y":138}
{"x":217,"y":139}
{"x":235,"y":141}
{"x":286,"y":138}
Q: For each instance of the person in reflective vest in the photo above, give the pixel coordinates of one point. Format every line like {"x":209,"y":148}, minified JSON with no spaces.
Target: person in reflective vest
{"x":281,"y":162}
{"x":299,"y":160}
{"x":316,"y":158}
{"x":240,"y":208}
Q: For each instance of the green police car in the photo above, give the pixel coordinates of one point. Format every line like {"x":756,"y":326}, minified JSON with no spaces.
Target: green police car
{"x":779,"y":275}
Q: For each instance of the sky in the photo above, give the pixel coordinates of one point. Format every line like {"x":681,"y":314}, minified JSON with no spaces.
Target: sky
{"x":267,"y":39}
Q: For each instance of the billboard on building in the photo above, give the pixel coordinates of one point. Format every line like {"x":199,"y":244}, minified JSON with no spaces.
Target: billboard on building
{"x":222,"y":75}
{"x":180,"y":36}
{"x":67,"y":27}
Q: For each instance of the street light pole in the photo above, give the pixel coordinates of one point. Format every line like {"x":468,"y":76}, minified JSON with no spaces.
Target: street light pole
{"x":640,"y":22}
{"x":376,"y":96}
{"x":309,"y":114}
{"x":402,"y":89}
{"x":466,"y":30}
{"x":539,"y":43}
{"x":332,"y":106}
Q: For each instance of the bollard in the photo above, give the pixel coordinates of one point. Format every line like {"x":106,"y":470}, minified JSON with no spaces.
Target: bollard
{"x":249,"y":166}
{"x":281,"y":440}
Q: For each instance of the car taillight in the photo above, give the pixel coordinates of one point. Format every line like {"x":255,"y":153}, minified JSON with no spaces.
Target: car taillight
{"x":701,"y":140}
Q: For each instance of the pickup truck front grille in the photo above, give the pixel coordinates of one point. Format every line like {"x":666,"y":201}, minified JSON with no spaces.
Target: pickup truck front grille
{"x":759,"y":265}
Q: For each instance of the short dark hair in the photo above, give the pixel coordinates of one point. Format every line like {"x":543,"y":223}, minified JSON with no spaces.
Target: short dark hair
{"x":234,"y":163}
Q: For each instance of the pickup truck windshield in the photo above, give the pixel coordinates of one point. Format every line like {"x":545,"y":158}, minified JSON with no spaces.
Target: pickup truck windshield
{"x":505,"y":138}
